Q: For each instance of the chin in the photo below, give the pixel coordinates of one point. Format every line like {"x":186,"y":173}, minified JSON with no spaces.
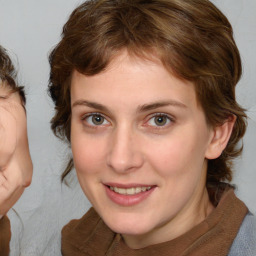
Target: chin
{"x":129,"y":226}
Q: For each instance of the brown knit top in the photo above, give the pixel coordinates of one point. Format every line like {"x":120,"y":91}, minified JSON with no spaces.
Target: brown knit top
{"x":5,"y":236}
{"x":212,"y":237}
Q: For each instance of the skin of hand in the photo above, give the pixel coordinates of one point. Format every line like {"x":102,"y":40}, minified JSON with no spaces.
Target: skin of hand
{"x":15,"y":161}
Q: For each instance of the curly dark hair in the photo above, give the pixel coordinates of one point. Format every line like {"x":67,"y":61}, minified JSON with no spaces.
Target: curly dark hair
{"x":192,"y":38}
{"x":8,"y":74}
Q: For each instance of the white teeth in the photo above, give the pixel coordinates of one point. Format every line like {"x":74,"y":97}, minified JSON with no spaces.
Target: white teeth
{"x":137,"y":190}
{"x":130,"y":191}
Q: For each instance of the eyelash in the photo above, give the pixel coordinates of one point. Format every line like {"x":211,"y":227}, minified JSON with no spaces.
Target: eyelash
{"x":84,"y":117}
{"x":169,"y":118}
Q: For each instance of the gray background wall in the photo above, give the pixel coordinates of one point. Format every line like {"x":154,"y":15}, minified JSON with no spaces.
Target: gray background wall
{"x":29,"y":29}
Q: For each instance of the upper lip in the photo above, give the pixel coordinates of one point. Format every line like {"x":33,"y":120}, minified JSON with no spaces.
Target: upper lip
{"x":128,"y":185}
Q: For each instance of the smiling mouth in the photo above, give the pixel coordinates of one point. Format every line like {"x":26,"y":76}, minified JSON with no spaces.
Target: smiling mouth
{"x":128,"y":194}
{"x":130,"y":191}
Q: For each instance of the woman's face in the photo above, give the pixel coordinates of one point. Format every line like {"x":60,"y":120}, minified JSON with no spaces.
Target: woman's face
{"x":14,"y":150}
{"x":140,"y":141}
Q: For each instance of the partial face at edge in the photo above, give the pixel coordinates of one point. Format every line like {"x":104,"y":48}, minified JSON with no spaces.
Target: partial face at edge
{"x":14,"y":149}
{"x":138,"y":130}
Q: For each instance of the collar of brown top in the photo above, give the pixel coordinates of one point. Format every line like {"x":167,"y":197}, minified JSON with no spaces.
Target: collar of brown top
{"x":90,"y":236}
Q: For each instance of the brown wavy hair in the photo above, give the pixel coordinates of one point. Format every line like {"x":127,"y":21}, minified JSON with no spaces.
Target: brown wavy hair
{"x":8,"y":75}
{"x":193,"y":39}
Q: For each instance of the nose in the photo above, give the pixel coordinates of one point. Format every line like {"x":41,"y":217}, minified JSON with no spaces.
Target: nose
{"x":124,"y":153}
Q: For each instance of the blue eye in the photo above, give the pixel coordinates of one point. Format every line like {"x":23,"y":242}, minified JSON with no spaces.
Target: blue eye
{"x":95,"y":120}
{"x":159,"y":120}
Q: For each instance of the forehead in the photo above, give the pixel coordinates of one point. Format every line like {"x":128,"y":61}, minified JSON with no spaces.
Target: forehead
{"x":132,"y":81}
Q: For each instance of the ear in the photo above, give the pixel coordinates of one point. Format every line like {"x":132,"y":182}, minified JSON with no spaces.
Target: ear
{"x":220,"y":138}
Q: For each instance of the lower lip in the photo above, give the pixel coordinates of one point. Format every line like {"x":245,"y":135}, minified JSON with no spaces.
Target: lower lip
{"x":128,"y":200}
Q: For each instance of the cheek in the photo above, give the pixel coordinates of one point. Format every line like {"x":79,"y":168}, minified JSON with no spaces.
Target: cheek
{"x":87,"y":154}
{"x":8,"y":136}
{"x":22,"y":134}
{"x":180,"y":154}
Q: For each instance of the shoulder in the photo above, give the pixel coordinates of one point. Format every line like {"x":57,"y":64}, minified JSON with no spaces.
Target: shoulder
{"x":82,"y":226}
{"x":77,"y":232}
{"x":245,"y":241}
{"x":86,"y":236}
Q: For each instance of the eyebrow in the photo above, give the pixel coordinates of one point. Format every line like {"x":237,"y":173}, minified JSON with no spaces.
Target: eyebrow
{"x":142,"y":108}
{"x":90,"y":105}
{"x":155,"y":105}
